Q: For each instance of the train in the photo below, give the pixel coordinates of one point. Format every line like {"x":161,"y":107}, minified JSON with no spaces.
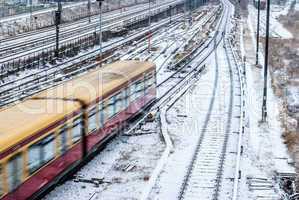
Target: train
{"x":41,"y":138}
{"x":263,"y":4}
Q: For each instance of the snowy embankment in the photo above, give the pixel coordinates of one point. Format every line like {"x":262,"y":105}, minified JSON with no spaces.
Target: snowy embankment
{"x":276,"y":28}
{"x":265,"y":154}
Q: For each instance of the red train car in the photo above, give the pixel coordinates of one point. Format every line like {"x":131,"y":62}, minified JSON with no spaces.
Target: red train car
{"x":41,"y":138}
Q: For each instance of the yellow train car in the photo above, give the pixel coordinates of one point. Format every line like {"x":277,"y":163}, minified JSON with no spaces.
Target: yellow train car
{"x":41,"y":138}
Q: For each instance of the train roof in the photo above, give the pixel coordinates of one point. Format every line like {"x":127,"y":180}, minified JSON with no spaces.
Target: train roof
{"x":20,"y":121}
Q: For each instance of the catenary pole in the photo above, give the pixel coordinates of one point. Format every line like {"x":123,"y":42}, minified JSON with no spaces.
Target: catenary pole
{"x":264,"y":106}
{"x":258,"y":32}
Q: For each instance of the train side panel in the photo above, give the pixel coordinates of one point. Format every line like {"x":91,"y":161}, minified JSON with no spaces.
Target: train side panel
{"x":56,"y":168}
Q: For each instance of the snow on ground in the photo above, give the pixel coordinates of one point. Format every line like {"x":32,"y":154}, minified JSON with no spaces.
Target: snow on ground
{"x":293,"y":96}
{"x":277,"y":10}
{"x":276,"y":28}
{"x":125,"y":164}
{"x":264,"y":152}
{"x":297,"y":6}
{"x":185,"y":124}
{"x":141,"y":152}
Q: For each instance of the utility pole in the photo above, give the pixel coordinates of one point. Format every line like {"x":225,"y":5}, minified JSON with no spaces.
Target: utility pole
{"x":31,"y":11}
{"x":190,"y":12}
{"x":57,"y":23}
{"x":101,"y":46}
{"x":264,"y":107}
{"x":170,"y":13}
{"x":149,"y":24}
{"x":257,"y":33}
{"x":89,"y":10}
{"x":185,"y":11}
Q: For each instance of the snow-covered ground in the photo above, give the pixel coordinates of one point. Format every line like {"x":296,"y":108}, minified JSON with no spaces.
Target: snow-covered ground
{"x":276,"y":28}
{"x":139,"y":154}
{"x":264,"y":150}
{"x":186,"y":122}
{"x":124,"y":165}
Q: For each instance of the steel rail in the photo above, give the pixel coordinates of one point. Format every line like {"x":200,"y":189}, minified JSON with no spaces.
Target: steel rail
{"x":242,"y":80}
{"x":181,"y":65}
{"x":202,"y":136}
{"x":34,"y":86}
{"x":92,"y":54}
{"x":51,"y":45}
{"x":66,"y":26}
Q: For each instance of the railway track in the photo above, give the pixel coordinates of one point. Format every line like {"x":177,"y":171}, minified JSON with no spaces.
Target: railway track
{"x":205,"y":172}
{"x":45,"y":40}
{"x":188,"y":73}
{"x":23,"y":87}
{"x":141,"y":51}
{"x":84,"y":21}
{"x":180,"y":83}
{"x":241,"y":78}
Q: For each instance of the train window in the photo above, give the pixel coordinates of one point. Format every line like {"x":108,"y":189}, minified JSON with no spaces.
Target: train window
{"x":63,"y":139}
{"x":92,"y":120}
{"x":133,"y":92}
{"x":34,"y":159}
{"x":112,"y":109}
{"x":153,"y":80}
{"x":149,"y":80}
{"x":139,"y":89}
{"x":40,"y":153}
{"x":15,"y":171}
{"x":101,"y":114}
{"x":48,"y":149}
{"x":1,"y":181}
{"x":109,"y":109}
{"x":118,"y":102}
{"x":127,"y":97}
{"x":76,"y":131}
{"x":105,"y":111}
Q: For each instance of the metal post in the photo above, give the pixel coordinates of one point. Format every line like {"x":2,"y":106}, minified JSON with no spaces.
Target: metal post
{"x":149,"y":24}
{"x":59,"y":6}
{"x":100,"y":34}
{"x":190,"y":12}
{"x":257,"y":33}
{"x":264,"y":107}
{"x":89,"y":10}
{"x":57,"y":22}
{"x":31,"y":11}
{"x":170,"y":13}
{"x":149,"y":13}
